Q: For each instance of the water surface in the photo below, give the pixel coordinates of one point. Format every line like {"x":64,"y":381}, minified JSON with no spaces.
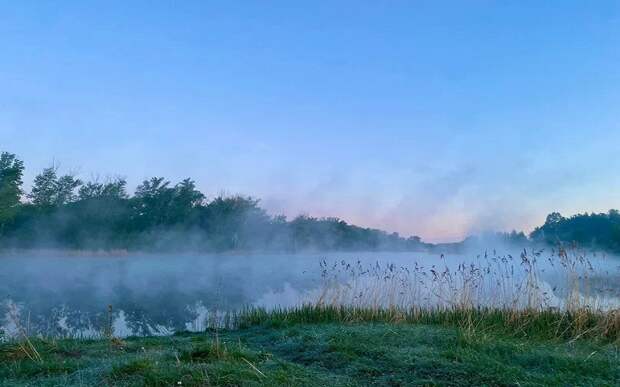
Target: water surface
{"x":59,"y":294}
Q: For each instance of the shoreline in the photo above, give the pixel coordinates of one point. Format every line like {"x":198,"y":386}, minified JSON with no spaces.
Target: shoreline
{"x":310,"y":348}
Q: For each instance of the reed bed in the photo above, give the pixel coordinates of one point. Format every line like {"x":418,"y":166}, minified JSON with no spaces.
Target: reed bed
{"x":500,"y":293}
{"x":491,"y":281}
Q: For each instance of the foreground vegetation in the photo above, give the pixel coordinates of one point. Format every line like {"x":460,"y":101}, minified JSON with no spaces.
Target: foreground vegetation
{"x":492,"y":322}
{"x":318,"y":346}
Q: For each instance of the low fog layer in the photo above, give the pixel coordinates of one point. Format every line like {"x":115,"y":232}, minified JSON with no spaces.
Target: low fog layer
{"x":156,"y":294}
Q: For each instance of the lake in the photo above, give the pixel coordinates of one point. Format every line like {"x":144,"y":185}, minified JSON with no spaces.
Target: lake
{"x":79,"y":295}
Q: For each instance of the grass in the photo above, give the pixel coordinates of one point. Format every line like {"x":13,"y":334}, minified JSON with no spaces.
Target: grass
{"x":545,"y":324}
{"x":318,"y":346}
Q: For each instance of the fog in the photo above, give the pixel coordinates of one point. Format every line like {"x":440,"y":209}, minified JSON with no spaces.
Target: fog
{"x":60,"y":294}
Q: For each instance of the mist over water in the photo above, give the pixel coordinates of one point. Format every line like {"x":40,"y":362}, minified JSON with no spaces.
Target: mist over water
{"x":77,"y":295}
{"x":151,"y":290}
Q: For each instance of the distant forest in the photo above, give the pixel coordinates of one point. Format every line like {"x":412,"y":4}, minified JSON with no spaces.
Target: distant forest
{"x":63,"y":212}
{"x":600,"y":231}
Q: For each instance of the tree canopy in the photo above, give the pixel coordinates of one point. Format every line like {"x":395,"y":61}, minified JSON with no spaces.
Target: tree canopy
{"x":11,"y":172}
{"x":590,"y":230}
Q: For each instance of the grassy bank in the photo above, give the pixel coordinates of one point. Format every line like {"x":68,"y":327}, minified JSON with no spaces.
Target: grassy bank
{"x":333,"y":346}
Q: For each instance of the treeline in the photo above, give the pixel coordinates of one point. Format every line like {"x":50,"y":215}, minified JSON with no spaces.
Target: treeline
{"x":61,"y":211}
{"x":599,"y":231}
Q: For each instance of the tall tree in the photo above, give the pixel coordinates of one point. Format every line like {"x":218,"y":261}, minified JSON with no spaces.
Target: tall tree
{"x":151,"y":202}
{"x":44,"y":188}
{"x":185,"y":198}
{"x":50,"y":190}
{"x":65,"y":189}
{"x":11,"y":172}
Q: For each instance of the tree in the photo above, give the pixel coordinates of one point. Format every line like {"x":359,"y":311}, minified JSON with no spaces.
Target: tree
{"x":43,"y":188}
{"x":65,"y":190}
{"x":151,"y":202}
{"x":554,"y":218}
{"x":50,"y":190}
{"x":114,"y":189}
{"x":11,"y":172}
{"x":185,"y":198}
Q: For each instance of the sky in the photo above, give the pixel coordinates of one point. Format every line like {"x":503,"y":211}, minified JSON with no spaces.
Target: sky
{"x":437,"y":119}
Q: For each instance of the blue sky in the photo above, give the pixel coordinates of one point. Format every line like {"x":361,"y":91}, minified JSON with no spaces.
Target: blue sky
{"x":438,"y":119}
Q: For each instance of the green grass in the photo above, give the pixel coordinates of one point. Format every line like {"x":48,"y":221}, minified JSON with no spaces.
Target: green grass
{"x":547,"y":324}
{"x":329,"y":347}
